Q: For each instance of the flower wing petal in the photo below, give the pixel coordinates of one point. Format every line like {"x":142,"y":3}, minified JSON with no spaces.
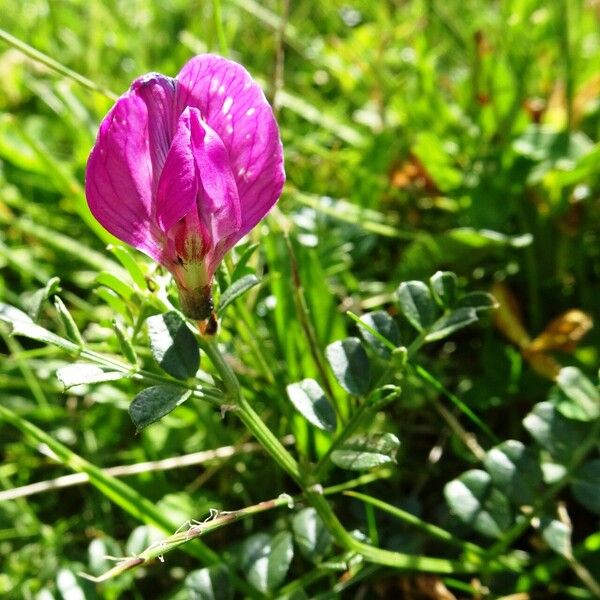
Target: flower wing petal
{"x":234,"y":106}
{"x":118,"y":181}
{"x":178,"y":185}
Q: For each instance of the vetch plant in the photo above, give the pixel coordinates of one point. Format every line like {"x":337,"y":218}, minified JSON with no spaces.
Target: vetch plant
{"x":184,"y":167}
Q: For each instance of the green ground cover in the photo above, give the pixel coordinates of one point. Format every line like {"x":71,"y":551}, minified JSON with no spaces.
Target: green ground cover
{"x":406,"y":366}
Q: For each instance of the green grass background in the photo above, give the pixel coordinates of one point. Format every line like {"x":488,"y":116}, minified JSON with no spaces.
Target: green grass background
{"x":419,"y":135}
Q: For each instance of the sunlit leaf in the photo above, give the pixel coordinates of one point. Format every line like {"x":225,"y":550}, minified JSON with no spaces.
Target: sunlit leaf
{"x":210,"y":583}
{"x":417,"y":304}
{"x":350,"y":365}
{"x":477,"y":503}
{"x":173,"y":345}
{"x":237,"y":289}
{"x":366,"y":451}
{"x":310,"y":401}
{"x":311,"y":535}
{"x":154,"y":403}
{"x":266,"y":559}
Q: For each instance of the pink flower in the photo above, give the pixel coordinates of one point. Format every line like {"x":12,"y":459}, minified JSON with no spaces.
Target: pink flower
{"x":183,"y":168}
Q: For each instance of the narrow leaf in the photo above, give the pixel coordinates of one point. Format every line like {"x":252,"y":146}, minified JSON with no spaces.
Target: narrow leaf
{"x":237,"y":289}
{"x":120,"y":287}
{"x":125,"y":344}
{"x":125,"y":257}
{"x":350,"y":365}
{"x":367,"y":451}
{"x":84,"y":373}
{"x":173,"y":345}
{"x":69,"y":325}
{"x":241,"y":266}
{"x":457,"y":319}
{"x":478,"y":301}
{"x":154,"y":403}
{"x":22,"y":324}
{"x":310,"y":401}
{"x":35,"y":301}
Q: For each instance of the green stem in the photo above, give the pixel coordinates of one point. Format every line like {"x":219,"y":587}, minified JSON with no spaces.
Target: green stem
{"x":410,"y":519}
{"x":365,"y":409}
{"x":248,"y":415}
{"x":314,"y":493}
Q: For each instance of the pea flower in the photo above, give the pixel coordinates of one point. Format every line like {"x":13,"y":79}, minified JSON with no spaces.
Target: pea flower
{"x":184,"y":167}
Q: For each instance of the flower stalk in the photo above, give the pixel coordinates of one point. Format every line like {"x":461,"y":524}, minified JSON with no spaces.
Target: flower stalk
{"x":312,"y":490}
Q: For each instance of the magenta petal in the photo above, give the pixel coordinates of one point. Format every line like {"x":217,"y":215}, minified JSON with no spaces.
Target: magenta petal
{"x":218,"y":202}
{"x":158,"y":93}
{"x":235,"y":107}
{"x":178,"y":185}
{"x":118,"y":181}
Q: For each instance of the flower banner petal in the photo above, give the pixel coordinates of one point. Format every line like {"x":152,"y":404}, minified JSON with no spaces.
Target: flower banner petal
{"x":234,"y":106}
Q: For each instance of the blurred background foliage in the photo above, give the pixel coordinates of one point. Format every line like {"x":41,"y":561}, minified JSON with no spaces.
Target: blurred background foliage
{"x":419,"y":135}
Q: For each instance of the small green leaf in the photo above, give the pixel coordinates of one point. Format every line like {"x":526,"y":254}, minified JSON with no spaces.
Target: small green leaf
{"x":381,"y":322}
{"x":310,"y":401}
{"x":457,"y":319}
{"x":85,"y":374}
{"x":558,"y":536}
{"x":444,"y":285}
{"x":210,"y":583}
{"x":69,"y":325}
{"x":236,"y":289}
{"x":266,"y":559}
{"x":311,"y":535}
{"x":366,"y":451}
{"x":350,"y":365}
{"x":478,"y":301}
{"x":477,"y":503}
{"x":35,"y":301}
{"x":173,"y":345}
{"x":22,"y":324}
{"x":586,"y":485}
{"x":124,"y":256}
{"x":154,"y":403}
{"x":417,"y":304}
{"x":117,"y":285}
{"x":555,"y":433}
{"x":515,"y":469}
{"x":581,"y":400}
{"x":241,"y":267}
{"x":125,"y":344}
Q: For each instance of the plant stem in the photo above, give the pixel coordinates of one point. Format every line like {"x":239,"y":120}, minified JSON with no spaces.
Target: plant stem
{"x":366,"y":408}
{"x":410,"y":519}
{"x":248,"y":415}
{"x":314,"y":493}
